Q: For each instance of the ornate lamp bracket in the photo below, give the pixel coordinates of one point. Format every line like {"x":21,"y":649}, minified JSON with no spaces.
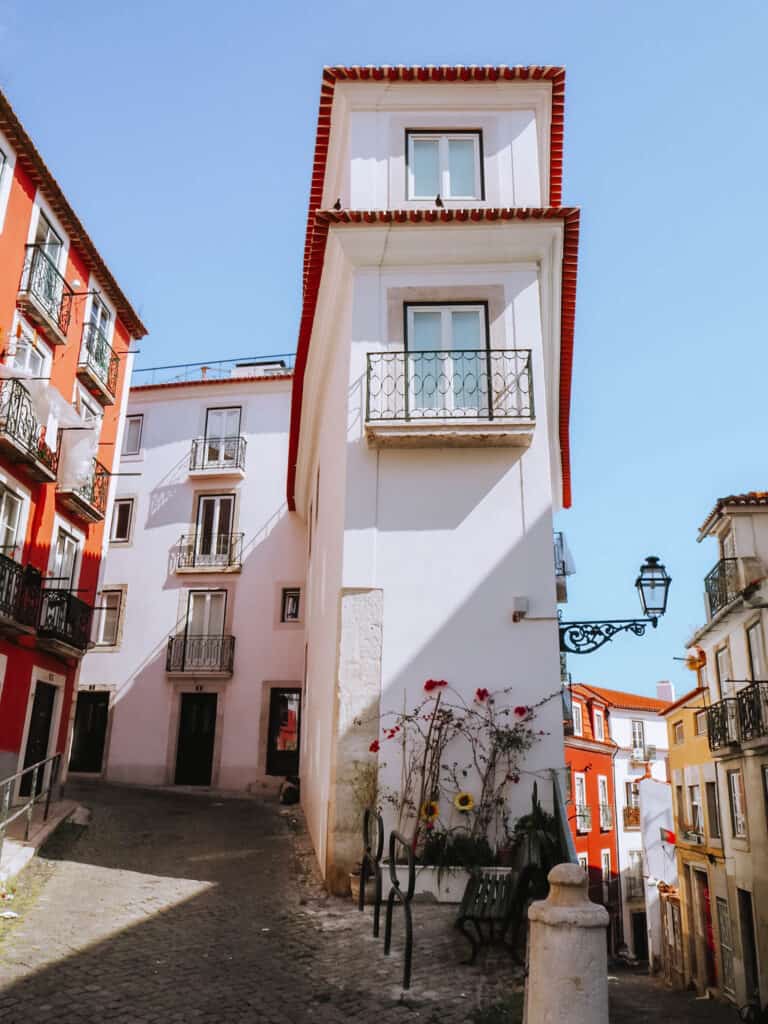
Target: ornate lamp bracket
{"x":586,"y":637}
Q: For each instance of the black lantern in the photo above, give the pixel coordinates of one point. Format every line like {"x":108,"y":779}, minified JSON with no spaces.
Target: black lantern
{"x":653,"y":587}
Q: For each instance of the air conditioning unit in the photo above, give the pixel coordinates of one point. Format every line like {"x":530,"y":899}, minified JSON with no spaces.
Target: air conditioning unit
{"x":650,"y":752}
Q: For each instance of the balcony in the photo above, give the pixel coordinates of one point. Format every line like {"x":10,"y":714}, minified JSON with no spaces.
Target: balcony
{"x":206,"y":552}
{"x":723,"y":723}
{"x":722,"y":584}
{"x":99,"y":365}
{"x":631,"y":817}
{"x":217,"y":456}
{"x":88,"y":501}
{"x":64,"y":625}
{"x":19,"y":597}
{"x":459,"y":398}
{"x":606,"y":817}
{"x":753,"y":711}
{"x":583,"y":818}
{"x":22,"y":439}
{"x":44,"y":295}
{"x":200,"y":655}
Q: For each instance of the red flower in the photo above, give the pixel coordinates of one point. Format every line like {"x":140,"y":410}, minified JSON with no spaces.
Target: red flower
{"x":522,"y":710}
{"x":434,"y":684}
{"x":429,"y":826}
{"x":374,"y":747}
{"x":481,"y":694}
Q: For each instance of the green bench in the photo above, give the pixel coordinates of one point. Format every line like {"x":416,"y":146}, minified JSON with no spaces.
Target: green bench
{"x":496,"y":903}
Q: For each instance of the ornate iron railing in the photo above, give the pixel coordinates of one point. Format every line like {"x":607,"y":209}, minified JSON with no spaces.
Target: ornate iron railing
{"x":19,"y":592}
{"x":188,"y":653}
{"x":723,"y":723}
{"x":64,"y":617}
{"x":631,"y":817}
{"x":96,"y":487}
{"x":210,"y":550}
{"x":19,"y":422}
{"x":99,"y":357}
{"x":486,"y":384}
{"x":583,"y":818}
{"x":42,"y":280}
{"x":217,"y":453}
{"x":753,"y":711}
{"x":606,"y":817}
{"x":722,"y":584}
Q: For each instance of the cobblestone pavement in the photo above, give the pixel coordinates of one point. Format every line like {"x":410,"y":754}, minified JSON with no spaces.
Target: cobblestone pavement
{"x":173,"y":907}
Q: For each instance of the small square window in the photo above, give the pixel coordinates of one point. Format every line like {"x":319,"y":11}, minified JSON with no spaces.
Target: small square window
{"x":290,"y":605}
{"x":107,"y":619}
{"x":122,"y":520}
{"x":446,"y":164}
{"x":701,"y":723}
{"x":677,"y":732}
{"x":132,"y":440}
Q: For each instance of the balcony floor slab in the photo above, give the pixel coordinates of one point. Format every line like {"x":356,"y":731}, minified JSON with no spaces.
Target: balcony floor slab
{"x":433,"y":434}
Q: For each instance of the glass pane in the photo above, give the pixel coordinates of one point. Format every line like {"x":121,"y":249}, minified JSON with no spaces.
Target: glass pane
{"x":466,"y":328}
{"x":461,"y":167}
{"x":425,"y":371}
{"x":216,"y":617}
{"x":425,"y":167}
{"x":427,"y":331}
{"x":469,"y":371}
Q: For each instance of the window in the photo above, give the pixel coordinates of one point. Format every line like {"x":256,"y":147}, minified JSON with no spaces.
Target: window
{"x":583,"y":817}
{"x":583,"y":862}
{"x":577,"y":726}
{"x":290,"y":604}
{"x":87,"y":406}
{"x":756,"y":646}
{"x":214,"y":537}
{"x":678,"y":734}
{"x":638,"y":735}
{"x":222,"y":436}
{"x":132,"y":439}
{"x":604,"y":800}
{"x":700,"y":720}
{"x":727,"y":545}
{"x":738,"y":803}
{"x":726,"y":945}
{"x":10,"y":513}
{"x":633,"y":794}
{"x":697,"y":817}
{"x":48,"y":239}
{"x":100,"y":318}
{"x":605,"y":864}
{"x":599,"y":725}
{"x":724,"y":671}
{"x":31,"y":353}
{"x":122,"y":518}
{"x":447,"y":359}
{"x":635,"y":875}
{"x":205,"y":613}
{"x":446,"y":164}
{"x":107,"y":618}
{"x":713,"y":810}
{"x":64,"y":561}
{"x":682,"y":816}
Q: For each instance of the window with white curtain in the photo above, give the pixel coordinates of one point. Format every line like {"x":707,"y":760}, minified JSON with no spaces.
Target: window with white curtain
{"x":445,"y":164}
{"x":107,"y":618}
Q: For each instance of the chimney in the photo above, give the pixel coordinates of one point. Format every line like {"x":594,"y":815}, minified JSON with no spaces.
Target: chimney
{"x":665,"y":691}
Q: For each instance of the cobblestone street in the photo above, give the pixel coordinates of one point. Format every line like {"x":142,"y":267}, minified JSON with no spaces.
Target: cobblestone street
{"x":176,"y":907}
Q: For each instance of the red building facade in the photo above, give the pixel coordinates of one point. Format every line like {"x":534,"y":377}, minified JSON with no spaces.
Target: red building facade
{"x":65,"y":334}
{"x":589,"y":754}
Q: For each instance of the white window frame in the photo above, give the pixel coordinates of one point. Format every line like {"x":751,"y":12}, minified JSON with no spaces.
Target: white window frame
{"x":578,"y":719}
{"x":100,"y":619}
{"x":604,"y":805}
{"x":698,"y":718}
{"x":133,"y":416}
{"x":638,"y":734}
{"x":61,"y":525}
{"x":717,"y":832}
{"x":725,"y":933}
{"x":443,"y":137}
{"x":737,"y":800}
{"x":583,"y":860}
{"x":13,"y":551}
{"x":755,"y":630}
{"x":113,"y":538}
{"x":88,"y":408}
{"x":580,"y":781}
{"x":24,"y":336}
{"x":284,"y":598}
{"x":605,"y":872}
{"x":599,"y":716}
{"x":678,"y":732}
{"x":696,"y":808}
{"x":725,"y":685}
{"x":6,"y":177}
{"x":41,"y":206}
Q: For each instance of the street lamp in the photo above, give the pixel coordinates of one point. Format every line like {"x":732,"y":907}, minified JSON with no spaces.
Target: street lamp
{"x":653,"y":589}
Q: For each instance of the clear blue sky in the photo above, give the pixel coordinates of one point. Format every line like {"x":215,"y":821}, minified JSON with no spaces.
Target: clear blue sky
{"x":182,"y":132}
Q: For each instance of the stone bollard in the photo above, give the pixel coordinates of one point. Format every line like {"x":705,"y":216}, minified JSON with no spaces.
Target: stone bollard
{"x":567,"y":957}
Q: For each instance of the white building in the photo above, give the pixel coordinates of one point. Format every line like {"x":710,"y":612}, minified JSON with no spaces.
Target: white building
{"x":197,"y":670}
{"x":429,"y":440}
{"x":659,"y":863}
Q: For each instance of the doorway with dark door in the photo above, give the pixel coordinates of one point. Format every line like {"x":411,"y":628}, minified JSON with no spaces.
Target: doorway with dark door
{"x":197,"y":732}
{"x":283,"y":736}
{"x":748,"y":945}
{"x":707,"y":932}
{"x":39,"y":734}
{"x":90,"y":731}
{"x":640,"y":935}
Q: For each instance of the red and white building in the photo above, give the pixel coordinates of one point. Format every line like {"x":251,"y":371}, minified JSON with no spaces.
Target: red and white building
{"x":65,"y":334}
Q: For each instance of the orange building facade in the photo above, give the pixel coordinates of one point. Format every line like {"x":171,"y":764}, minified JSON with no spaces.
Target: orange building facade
{"x":589,"y":756}
{"x":65,"y":335}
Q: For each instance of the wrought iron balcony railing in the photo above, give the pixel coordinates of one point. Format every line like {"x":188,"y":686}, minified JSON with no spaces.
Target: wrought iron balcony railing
{"x":631,"y":817}
{"x":488,"y":384}
{"x":19,"y":592}
{"x":722,"y":584}
{"x":65,"y":618}
{"x":210,"y":550}
{"x":217,"y":453}
{"x":89,"y":500}
{"x":753,"y":711}
{"x":188,"y":653}
{"x":44,"y":284}
{"x":583,"y":818}
{"x":19,"y":424}
{"x":723,"y":723}
{"x":99,"y":359}
{"x":606,"y":817}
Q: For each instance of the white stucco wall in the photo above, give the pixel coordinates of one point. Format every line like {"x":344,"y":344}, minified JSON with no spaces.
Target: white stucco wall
{"x":142,"y":735}
{"x":659,"y":860}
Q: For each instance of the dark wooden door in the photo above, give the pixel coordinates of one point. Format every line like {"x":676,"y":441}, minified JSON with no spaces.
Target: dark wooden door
{"x":90,"y":732}
{"x":39,"y":734}
{"x":640,"y":936}
{"x":283,"y":739}
{"x":197,"y":731}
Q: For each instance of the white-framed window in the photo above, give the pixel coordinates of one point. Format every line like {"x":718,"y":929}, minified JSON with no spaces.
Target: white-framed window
{"x":700,"y":723}
{"x":756,"y":646}
{"x":48,"y":239}
{"x":134,"y":426}
{"x":446,"y":164}
{"x":583,"y":861}
{"x":738,"y":802}
{"x":638,"y":734}
{"x":65,"y":558}
{"x":214,"y":538}
{"x":578,"y":728}
{"x":713,"y":810}
{"x":6,"y":176}
{"x":605,"y":867}
{"x":678,"y":732}
{"x":87,"y":406}
{"x":724,"y":670}
{"x":290,"y":604}
{"x":633,"y":793}
{"x":206,"y":612}
{"x":107,"y":618}
{"x":30,"y":353}
{"x":599,"y":718}
{"x":447,"y":349}
{"x":726,"y":945}
{"x":583,"y":815}
{"x":697,"y":813}
{"x":604,"y":800}
{"x":122,"y":521}
{"x":10,"y":518}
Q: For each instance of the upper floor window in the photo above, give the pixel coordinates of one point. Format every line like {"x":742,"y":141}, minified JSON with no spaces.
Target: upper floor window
{"x":756,"y":645}
{"x":738,"y":803}
{"x":700,"y":721}
{"x":599,"y":725}
{"x":101,"y":318}
{"x":48,"y":239}
{"x":122,"y":517}
{"x":638,"y":734}
{"x":713,"y":809}
{"x":290,"y":604}
{"x":445,"y":164}
{"x":577,"y":726}
{"x":697,"y":815}
{"x":30,"y":353}
{"x":106,"y":621}
{"x":727,"y":545}
{"x":678,"y":734}
{"x":87,"y":406}
{"x":64,"y":561}
{"x":132,"y":439}
{"x":10,"y":514}
{"x":724,"y":670}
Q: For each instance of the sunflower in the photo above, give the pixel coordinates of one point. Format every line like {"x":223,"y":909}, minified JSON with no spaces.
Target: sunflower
{"x":463,"y":802}
{"x":430,"y":810}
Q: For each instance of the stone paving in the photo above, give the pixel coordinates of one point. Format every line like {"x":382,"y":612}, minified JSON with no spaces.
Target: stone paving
{"x":194,"y":908}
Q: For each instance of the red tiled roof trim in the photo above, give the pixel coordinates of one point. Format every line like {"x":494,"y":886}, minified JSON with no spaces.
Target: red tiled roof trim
{"x":569,"y":215}
{"x":626,"y":701}
{"x":691,"y":695}
{"x":739,"y":500}
{"x":33,"y":164}
{"x":211,"y":382}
